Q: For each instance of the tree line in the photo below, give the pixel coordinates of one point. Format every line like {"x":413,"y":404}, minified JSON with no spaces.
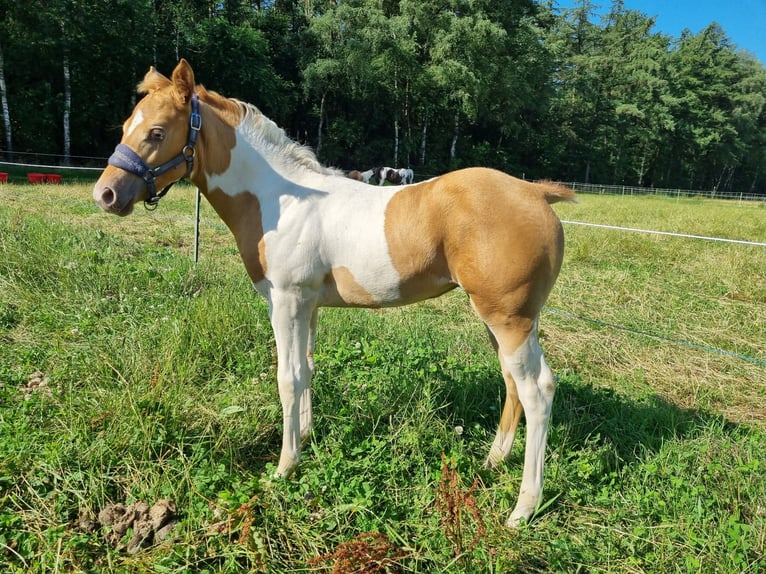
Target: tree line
{"x":570,"y":94}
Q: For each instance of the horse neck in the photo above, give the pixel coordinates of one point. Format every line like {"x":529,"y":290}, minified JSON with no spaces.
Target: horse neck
{"x":240,"y":175}
{"x":228,"y":158}
{"x":236,"y":157}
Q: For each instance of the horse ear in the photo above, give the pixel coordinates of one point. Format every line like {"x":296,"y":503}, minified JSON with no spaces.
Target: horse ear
{"x":183,"y":81}
{"x":152,"y":81}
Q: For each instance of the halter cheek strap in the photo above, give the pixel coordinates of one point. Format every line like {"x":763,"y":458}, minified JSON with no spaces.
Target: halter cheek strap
{"x":125,"y":158}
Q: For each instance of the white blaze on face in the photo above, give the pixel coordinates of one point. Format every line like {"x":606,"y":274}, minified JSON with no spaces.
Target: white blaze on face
{"x":138,"y":119}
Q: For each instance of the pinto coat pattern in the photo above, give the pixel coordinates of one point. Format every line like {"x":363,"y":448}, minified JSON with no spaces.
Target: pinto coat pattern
{"x":311,"y":237}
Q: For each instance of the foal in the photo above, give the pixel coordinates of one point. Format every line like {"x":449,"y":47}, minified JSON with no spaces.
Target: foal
{"x":311,"y":237}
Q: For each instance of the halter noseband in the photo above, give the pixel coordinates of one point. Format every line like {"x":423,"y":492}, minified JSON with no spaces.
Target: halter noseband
{"x":125,"y":158}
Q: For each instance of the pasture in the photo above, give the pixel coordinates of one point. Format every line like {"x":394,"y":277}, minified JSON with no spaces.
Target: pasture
{"x":128,"y":373}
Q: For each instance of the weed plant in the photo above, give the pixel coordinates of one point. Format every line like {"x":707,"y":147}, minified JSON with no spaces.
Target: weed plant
{"x":127,"y":373}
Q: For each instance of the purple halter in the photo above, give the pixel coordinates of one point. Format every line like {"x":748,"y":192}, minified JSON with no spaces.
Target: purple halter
{"x":125,"y":158}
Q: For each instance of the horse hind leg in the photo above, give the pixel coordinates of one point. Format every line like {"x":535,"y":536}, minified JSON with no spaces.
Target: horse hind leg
{"x":530,"y":387}
{"x":509,"y":419}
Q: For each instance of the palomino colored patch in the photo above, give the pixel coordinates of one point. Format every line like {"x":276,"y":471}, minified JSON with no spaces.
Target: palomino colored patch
{"x":242,"y":214}
{"x":415,"y":232}
{"x":340,"y":288}
{"x":492,"y":234}
{"x":217,"y":158}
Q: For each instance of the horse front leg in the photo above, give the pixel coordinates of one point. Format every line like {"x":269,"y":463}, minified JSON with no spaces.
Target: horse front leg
{"x":306,"y":412}
{"x":291,"y":315}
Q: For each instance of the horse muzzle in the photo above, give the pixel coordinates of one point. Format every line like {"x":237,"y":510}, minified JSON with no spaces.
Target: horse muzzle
{"x":117,"y":195}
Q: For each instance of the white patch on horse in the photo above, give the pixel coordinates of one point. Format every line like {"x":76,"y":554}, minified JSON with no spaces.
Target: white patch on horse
{"x":360,"y":216}
{"x":305,"y":212}
{"x":246,"y":168}
{"x":138,"y":119}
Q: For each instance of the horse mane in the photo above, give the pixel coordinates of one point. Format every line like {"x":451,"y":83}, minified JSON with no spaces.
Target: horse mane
{"x":152,"y":81}
{"x":270,"y":139}
{"x":278,"y":145}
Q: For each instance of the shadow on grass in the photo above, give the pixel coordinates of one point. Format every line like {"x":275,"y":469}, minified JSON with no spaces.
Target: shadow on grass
{"x":366,"y":395}
{"x":475,"y":396}
{"x":631,"y":426}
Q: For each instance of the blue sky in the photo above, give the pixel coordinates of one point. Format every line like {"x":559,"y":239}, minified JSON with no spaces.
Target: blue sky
{"x":743,"y":20}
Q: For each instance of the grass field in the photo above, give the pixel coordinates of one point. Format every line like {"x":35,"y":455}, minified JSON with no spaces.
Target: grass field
{"x":128,"y":373}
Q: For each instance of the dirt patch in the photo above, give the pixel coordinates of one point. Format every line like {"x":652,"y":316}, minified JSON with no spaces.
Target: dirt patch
{"x":37,"y":383}
{"x":149,"y":524}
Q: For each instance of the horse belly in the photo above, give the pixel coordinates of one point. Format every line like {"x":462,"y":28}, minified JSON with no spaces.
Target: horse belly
{"x":341,"y":288}
{"x":360,"y":272}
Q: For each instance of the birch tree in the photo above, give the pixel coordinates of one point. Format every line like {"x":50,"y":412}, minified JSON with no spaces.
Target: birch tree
{"x":6,"y":109}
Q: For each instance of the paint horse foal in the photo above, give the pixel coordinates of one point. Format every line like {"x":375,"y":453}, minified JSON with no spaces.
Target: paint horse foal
{"x":311,"y":237}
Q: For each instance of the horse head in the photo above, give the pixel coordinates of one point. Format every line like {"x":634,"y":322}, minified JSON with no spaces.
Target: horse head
{"x":394,"y":176}
{"x":157,"y":145}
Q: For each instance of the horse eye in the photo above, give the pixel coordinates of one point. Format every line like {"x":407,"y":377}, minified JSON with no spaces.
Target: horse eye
{"x":156,"y":135}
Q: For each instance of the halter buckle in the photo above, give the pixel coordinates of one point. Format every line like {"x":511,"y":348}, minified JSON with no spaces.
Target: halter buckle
{"x":195,"y":121}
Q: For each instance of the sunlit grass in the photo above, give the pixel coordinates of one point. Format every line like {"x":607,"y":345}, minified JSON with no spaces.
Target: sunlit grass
{"x":161,"y":384}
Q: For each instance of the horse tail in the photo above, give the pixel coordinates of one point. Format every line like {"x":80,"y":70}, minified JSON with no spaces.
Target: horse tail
{"x":555,"y":192}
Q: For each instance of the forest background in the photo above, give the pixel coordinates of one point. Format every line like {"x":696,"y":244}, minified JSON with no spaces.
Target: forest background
{"x":521,"y":85}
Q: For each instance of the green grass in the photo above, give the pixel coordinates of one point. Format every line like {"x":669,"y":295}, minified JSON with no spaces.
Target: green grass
{"x":162,"y":385}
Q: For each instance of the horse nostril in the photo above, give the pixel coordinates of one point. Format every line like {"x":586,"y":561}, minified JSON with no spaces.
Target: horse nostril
{"x":108,"y":197}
